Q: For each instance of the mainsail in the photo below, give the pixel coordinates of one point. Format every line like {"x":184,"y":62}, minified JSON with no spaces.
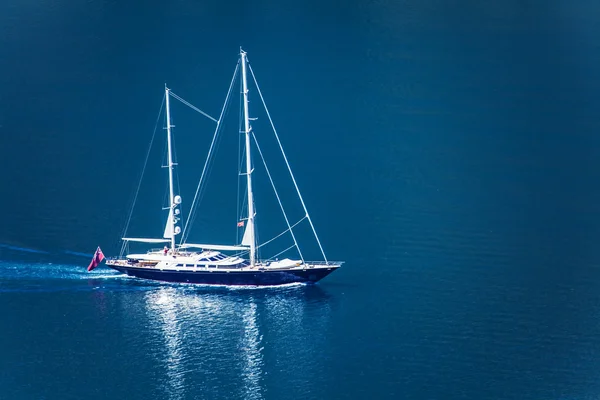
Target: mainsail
{"x":248,"y":238}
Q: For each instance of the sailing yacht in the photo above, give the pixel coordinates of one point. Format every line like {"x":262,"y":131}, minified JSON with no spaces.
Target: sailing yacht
{"x":222,"y":264}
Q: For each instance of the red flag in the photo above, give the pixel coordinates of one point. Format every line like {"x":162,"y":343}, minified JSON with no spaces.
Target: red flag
{"x":241,"y":223}
{"x":98,"y":257}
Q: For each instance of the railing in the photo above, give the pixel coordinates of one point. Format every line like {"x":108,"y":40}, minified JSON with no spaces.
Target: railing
{"x":262,"y":264}
{"x":325,"y":263}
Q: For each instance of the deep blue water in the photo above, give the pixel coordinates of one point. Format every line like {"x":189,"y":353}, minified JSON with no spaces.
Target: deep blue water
{"x":446,"y":151}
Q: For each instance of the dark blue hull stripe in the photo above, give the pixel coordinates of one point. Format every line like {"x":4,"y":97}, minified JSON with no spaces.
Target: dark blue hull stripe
{"x":253,"y":278}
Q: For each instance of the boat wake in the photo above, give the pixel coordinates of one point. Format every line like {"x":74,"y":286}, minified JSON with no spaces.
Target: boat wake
{"x":30,"y":276}
{"x":22,"y":249}
{"x":233,"y":287}
{"x":42,"y":271}
{"x":249,"y":287}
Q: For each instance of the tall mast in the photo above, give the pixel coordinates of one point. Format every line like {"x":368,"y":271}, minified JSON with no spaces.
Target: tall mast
{"x":171,"y":222}
{"x":247,"y":130}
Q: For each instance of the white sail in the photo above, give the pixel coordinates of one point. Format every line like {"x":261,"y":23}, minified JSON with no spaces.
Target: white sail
{"x":169,"y":226}
{"x":248,"y":239}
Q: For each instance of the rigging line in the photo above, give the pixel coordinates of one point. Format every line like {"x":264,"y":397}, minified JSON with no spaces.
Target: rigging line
{"x":240,"y":254}
{"x":238,"y":206}
{"x":281,"y":252}
{"x":242,"y":204}
{"x":282,"y":233}
{"x":287,"y":163}
{"x":200,"y":190}
{"x":209,"y":169}
{"x":202,"y":185}
{"x":165,"y":164}
{"x":176,"y":170}
{"x":244,"y":199}
{"x":193,"y":107}
{"x":137,"y":191}
{"x":277,"y":195}
{"x":192,"y":209}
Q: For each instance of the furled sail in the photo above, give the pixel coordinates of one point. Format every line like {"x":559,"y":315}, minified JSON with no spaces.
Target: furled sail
{"x":169,"y":226}
{"x":248,"y":238}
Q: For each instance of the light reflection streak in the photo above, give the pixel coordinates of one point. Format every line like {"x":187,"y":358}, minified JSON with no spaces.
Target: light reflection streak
{"x":161,"y":305}
{"x":212,"y":341}
{"x":252,"y":353}
{"x":204,"y":325}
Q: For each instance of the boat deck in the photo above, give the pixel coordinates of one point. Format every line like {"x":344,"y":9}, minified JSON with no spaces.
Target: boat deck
{"x":272,"y":266}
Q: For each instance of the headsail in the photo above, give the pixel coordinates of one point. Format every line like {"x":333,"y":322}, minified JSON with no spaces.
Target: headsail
{"x":169,"y":226}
